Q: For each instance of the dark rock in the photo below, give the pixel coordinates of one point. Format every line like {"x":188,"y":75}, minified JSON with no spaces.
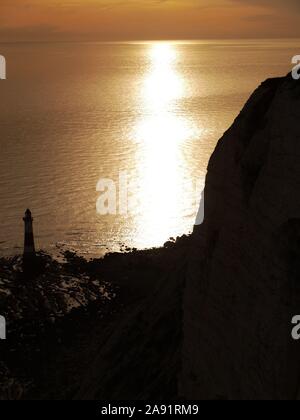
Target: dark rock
{"x":242,"y":284}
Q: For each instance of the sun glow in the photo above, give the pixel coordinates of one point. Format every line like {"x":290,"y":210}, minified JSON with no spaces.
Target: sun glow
{"x":161,"y":135}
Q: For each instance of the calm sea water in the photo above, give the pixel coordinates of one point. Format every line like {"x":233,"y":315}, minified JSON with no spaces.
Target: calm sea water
{"x":72,"y":114}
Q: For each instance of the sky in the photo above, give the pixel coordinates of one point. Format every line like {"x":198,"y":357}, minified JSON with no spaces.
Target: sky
{"x":114,"y":20}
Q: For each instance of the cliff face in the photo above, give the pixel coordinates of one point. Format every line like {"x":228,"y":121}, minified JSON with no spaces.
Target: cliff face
{"x":243,"y":279}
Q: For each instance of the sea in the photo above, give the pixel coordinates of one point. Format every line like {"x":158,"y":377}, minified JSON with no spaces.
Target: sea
{"x":108,"y":143}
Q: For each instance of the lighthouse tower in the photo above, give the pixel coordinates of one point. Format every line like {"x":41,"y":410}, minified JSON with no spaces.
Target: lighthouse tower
{"x":29,"y":248}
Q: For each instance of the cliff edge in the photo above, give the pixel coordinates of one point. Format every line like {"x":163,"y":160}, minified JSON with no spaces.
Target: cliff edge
{"x":243,"y":279}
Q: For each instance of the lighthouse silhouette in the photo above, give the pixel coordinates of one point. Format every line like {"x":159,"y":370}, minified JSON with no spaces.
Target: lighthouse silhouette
{"x":29,"y":248}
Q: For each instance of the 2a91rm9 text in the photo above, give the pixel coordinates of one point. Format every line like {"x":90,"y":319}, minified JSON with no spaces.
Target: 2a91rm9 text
{"x":175,"y":409}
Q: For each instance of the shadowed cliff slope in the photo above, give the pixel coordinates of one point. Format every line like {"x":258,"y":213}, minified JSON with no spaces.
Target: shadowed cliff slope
{"x":242,"y":287}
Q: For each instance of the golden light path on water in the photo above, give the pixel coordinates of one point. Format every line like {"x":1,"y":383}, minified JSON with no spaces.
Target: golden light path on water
{"x":161,"y":134}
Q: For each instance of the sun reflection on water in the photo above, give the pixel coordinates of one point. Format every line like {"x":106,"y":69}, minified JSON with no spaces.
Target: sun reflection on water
{"x":163,"y":84}
{"x":161,"y":135}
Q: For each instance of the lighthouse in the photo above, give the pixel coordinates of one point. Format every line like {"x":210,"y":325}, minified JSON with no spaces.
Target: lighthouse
{"x":29,"y":248}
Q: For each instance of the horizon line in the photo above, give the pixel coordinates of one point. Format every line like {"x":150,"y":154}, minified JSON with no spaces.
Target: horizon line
{"x":146,"y":41}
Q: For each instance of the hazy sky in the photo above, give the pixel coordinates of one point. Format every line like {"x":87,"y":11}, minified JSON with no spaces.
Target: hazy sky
{"x":147,"y":19}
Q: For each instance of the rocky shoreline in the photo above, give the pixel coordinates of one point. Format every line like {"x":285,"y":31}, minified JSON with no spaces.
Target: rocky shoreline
{"x":52,"y":315}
